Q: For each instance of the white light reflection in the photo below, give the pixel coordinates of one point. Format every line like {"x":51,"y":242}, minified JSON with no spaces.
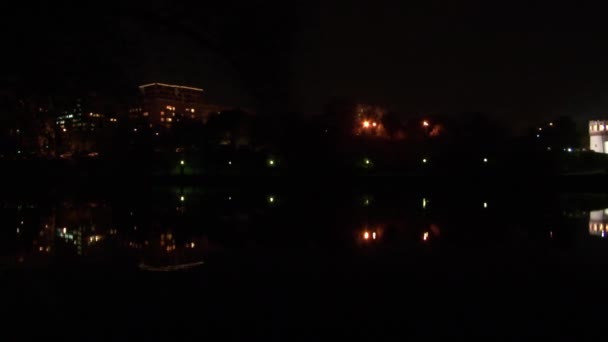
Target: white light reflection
{"x":598,"y":223}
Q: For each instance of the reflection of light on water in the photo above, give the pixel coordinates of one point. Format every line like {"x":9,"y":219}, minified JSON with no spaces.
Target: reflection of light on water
{"x":367,"y":235}
{"x":95,"y":238}
{"x":598,"y":222}
{"x":170,"y":268}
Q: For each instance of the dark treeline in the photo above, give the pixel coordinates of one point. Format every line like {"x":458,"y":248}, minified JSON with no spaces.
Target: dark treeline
{"x":347,"y":138}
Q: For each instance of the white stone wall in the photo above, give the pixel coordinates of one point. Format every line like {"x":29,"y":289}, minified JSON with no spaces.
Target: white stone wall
{"x":597,"y":143}
{"x":598,"y":136}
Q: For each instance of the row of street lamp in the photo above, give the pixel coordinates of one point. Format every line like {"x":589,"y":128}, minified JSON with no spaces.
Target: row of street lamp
{"x":368,"y":161}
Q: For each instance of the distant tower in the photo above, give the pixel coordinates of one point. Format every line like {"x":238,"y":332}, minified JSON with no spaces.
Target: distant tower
{"x":598,"y":133}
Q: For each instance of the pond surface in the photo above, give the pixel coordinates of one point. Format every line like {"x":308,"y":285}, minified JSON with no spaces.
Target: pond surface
{"x":189,"y":262}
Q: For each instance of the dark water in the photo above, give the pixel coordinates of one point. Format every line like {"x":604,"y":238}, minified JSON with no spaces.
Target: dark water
{"x":185,"y":263}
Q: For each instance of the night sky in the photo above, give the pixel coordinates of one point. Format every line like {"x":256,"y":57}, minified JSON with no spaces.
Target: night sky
{"x":517,"y":62}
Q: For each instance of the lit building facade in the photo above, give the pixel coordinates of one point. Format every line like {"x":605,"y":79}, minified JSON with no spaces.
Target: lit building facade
{"x":80,"y":120}
{"x":80,"y":128}
{"x":166,"y":104}
{"x":598,"y":136}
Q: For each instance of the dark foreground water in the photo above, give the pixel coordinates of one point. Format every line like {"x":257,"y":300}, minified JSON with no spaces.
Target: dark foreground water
{"x":186,"y":263}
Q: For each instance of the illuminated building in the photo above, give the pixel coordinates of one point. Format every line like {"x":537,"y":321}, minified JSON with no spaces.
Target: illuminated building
{"x":166,"y":104}
{"x":79,"y":119}
{"x":598,"y":134}
{"x":598,"y":222}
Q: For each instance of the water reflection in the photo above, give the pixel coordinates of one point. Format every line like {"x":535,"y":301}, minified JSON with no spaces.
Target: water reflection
{"x":370,"y":235}
{"x":180,"y":228}
{"x":598,"y":222}
{"x":165,"y":254}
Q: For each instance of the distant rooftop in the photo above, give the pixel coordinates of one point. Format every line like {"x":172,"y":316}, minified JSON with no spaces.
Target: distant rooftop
{"x":169,"y":86}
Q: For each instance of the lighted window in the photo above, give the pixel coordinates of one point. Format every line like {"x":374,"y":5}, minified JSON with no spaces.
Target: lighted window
{"x":162,"y":113}
{"x":169,"y":119}
{"x":602,"y":127}
{"x":192,"y":110}
{"x":146,"y":114}
{"x":162,"y":119}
